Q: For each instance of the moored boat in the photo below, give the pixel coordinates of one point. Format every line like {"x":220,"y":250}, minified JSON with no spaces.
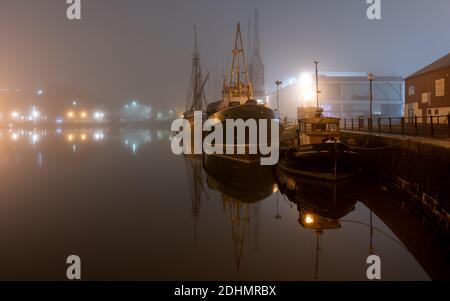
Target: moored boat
{"x":196,"y":100}
{"x":319,"y":152}
{"x":237,"y":97}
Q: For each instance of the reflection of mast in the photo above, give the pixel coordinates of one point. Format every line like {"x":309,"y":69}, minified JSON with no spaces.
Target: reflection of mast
{"x":371,"y":234}
{"x":318,"y":248}
{"x":256,"y":214}
{"x":195,"y":175}
{"x":240,"y":218}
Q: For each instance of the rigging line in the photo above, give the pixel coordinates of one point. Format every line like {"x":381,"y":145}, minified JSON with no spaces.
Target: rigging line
{"x":377,"y":229}
{"x":372,"y":148}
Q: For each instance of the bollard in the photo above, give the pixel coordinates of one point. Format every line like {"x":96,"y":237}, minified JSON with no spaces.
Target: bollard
{"x":390,"y":125}
{"x":431,"y":127}
{"x":416,"y":128}
{"x":448,"y":124}
{"x":403,"y":126}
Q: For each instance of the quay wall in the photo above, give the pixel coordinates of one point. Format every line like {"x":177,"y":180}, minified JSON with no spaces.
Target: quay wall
{"x":419,"y":169}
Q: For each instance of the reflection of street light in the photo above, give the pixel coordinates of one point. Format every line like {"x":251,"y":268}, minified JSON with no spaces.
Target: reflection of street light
{"x":309,"y":219}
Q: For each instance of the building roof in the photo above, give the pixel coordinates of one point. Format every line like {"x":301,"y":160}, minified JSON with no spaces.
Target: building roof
{"x":440,"y":64}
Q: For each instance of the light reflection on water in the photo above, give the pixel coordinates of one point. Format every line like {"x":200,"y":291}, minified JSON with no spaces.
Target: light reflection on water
{"x":132,"y":210}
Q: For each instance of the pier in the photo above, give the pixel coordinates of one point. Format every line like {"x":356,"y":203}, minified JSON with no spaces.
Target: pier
{"x":417,"y":167}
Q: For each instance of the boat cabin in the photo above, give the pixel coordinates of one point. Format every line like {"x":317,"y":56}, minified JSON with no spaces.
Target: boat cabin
{"x":319,"y":130}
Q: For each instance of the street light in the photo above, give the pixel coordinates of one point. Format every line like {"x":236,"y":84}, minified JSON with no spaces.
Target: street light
{"x":370,"y":77}
{"x":278,"y":83}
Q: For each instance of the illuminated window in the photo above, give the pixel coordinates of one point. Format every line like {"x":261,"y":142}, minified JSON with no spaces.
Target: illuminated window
{"x":440,"y":87}
{"x":411,"y":90}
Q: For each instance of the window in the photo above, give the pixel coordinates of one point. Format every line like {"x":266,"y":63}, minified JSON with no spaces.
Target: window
{"x":440,"y":87}
{"x":411,"y":90}
{"x":429,"y":111}
{"x":426,"y":98}
{"x":436,"y":111}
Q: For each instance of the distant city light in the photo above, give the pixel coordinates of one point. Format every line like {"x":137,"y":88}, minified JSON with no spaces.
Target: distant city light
{"x":40,"y":92}
{"x":99,"y":115}
{"x":70,"y":137}
{"x":134,"y":103}
{"x":259,"y":101}
{"x":74,"y":103}
{"x":83,"y":137}
{"x":59,"y":121}
{"x":14,"y":137}
{"x":70,"y":114}
{"x":99,"y":136}
{"x":15,"y":115}
{"x":83,"y":114}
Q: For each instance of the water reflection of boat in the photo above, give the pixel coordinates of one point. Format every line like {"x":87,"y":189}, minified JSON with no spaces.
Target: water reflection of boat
{"x":196,"y":179}
{"x":320,"y":204}
{"x":246,"y":183}
{"x":241,"y":186}
{"x":327,"y":200}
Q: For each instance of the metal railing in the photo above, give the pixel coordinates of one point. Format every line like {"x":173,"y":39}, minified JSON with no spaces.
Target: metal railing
{"x":430,"y":126}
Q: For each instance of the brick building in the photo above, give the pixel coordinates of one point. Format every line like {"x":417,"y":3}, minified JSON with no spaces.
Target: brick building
{"x":428,"y":90}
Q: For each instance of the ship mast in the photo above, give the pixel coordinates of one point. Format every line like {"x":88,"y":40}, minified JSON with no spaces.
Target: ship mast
{"x":237,"y":88}
{"x":196,"y":100}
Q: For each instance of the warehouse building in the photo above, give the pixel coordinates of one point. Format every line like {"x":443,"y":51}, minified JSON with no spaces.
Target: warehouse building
{"x":428,"y":90}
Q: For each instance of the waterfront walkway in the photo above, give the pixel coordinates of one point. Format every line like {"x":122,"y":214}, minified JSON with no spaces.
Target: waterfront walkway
{"x":438,"y":142}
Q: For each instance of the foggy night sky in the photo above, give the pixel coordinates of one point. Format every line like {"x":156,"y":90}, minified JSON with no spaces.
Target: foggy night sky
{"x":124,"y":49}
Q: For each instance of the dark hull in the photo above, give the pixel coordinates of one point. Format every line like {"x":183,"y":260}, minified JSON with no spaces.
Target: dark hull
{"x":326,"y":161}
{"x":245,"y":112}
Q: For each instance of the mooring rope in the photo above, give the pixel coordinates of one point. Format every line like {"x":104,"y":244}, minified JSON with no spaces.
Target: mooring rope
{"x":370,"y":148}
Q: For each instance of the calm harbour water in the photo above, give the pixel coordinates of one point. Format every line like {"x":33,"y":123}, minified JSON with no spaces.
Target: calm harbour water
{"x":132,"y":210}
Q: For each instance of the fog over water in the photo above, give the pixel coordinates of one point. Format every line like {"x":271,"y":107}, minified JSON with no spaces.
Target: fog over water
{"x":142,"y":49}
